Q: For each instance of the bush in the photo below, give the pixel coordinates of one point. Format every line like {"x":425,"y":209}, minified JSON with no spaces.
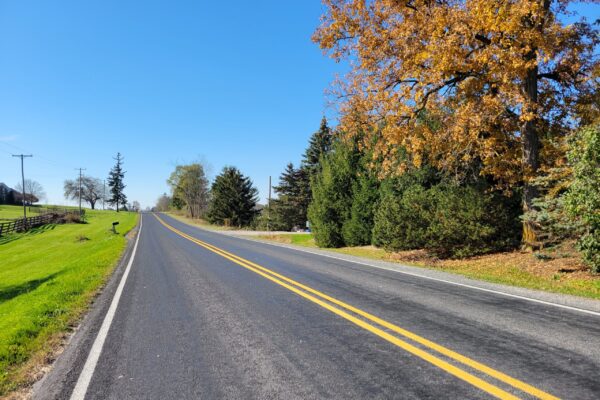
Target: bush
{"x":582,"y":200}
{"x":446,"y":220}
{"x":466,"y":221}
{"x":400,"y":222}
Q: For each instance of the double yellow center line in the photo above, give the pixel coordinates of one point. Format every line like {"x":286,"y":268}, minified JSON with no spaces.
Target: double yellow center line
{"x":345,"y":310}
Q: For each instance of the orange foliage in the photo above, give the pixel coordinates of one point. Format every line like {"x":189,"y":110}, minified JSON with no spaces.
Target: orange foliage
{"x":447,"y":79}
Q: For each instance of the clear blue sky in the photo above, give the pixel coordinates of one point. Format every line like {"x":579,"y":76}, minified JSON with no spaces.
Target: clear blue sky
{"x":163,"y":82}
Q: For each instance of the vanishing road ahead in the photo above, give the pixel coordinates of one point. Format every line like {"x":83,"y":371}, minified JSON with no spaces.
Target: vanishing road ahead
{"x":204,"y":315}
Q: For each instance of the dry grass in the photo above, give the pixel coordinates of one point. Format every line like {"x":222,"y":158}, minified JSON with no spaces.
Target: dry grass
{"x":198,"y":222}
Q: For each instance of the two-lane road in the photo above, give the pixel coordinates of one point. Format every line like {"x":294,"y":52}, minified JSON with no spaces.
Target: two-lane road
{"x":203,"y":315}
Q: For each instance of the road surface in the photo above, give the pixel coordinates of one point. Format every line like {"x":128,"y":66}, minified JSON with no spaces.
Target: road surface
{"x":200,"y":315}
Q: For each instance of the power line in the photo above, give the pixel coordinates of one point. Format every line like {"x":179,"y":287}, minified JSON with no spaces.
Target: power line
{"x":23,"y":156}
{"x":15,"y":147}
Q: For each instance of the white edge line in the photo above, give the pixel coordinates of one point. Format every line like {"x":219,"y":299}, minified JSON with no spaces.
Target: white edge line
{"x":90,"y":364}
{"x":516,"y":296}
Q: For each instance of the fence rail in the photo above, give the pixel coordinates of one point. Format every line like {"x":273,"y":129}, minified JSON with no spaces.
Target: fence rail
{"x":24,"y":224}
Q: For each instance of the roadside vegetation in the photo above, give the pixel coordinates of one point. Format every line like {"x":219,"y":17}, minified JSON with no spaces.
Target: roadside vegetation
{"x":48,"y":276}
{"x":200,"y":222}
{"x":556,"y":269}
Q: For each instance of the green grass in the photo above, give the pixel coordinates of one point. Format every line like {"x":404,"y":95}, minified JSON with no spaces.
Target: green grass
{"x":11,"y":212}
{"x":514,"y":268}
{"x":302,"y":239}
{"x":47,"y":278}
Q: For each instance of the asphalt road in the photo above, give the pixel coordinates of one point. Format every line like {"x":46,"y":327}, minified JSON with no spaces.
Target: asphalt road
{"x":207,"y":316}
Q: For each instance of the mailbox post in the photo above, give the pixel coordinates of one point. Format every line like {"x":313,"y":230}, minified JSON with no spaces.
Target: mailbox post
{"x":114,"y":226}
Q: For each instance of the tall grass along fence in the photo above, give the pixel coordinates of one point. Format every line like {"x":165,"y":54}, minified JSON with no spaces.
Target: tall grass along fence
{"x":51,"y":216}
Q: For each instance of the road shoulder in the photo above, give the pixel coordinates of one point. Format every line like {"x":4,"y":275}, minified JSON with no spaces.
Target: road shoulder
{"x":564,"y":301}
{"x":62,"y":375}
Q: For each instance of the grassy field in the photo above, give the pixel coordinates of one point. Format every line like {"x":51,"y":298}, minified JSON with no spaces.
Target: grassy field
{"x":555,"y":270}
{"x":11,"y":212}
{"x":47,"y":278}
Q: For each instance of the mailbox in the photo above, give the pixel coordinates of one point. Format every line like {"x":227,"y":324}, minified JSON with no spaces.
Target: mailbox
{"x":114,"y":226}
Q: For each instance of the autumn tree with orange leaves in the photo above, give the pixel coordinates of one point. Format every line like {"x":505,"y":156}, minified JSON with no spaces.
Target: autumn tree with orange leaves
{"x":499,"y":78}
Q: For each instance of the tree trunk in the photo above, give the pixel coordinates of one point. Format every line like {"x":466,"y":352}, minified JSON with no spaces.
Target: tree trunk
{"x":93,"y":204}
{"x":531,"y":153}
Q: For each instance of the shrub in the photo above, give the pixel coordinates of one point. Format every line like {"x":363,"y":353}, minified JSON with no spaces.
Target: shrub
{"x":400,"y":222}
{"x":466,"y":221}
{"x":447,"y":220}
{"x":582,"y":200}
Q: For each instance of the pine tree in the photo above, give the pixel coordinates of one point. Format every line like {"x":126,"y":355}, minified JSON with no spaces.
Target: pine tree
{"x":332,"y":195}
{"x":365,"y":194}
{"x":294,"y":197}
{"x":319,"y":144}
{"x":115,"y":183}
{"x":233,"y":199}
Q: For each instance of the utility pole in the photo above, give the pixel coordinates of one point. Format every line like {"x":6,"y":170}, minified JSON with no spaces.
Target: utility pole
{"x":269,"y":207}
{"x":22,"y":156}
{"x":80,"y":176}
{"x":104,"y":194}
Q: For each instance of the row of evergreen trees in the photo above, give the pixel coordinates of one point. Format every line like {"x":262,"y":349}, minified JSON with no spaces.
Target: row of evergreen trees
{"x":338,"y":189}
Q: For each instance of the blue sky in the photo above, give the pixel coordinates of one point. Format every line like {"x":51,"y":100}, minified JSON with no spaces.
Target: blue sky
{"x":163,"y":82}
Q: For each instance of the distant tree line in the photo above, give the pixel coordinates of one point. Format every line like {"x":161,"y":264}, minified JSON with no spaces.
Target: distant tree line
{"x":350,"y":201}
{"x":93,"y":190}
{"x":340,"y":186}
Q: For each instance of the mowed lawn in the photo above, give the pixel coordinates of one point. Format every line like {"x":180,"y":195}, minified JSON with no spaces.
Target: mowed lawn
{"x":11,"y":212}
{"x":47,"y":278}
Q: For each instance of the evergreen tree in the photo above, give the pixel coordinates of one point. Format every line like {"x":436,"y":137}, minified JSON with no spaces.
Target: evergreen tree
{"x":116,"y":185}
{"x":294,"y":196}
{"x":233,"y":199}
{"x":319,"y":144}
{"x":332,"y":195}
{"x":365,"y":194}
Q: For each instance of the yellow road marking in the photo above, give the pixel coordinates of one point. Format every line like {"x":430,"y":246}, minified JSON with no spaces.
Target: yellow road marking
{"x":475,"y":381}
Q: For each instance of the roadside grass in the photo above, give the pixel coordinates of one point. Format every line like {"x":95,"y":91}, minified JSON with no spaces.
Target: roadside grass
{"x":202,"y":223}
{"x":47,"y":279}
{"x":556,"y":269}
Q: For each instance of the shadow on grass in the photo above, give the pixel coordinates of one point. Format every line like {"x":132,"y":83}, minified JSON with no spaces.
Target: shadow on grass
{"x":33,"y":231}
{"x":10,"y":292}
